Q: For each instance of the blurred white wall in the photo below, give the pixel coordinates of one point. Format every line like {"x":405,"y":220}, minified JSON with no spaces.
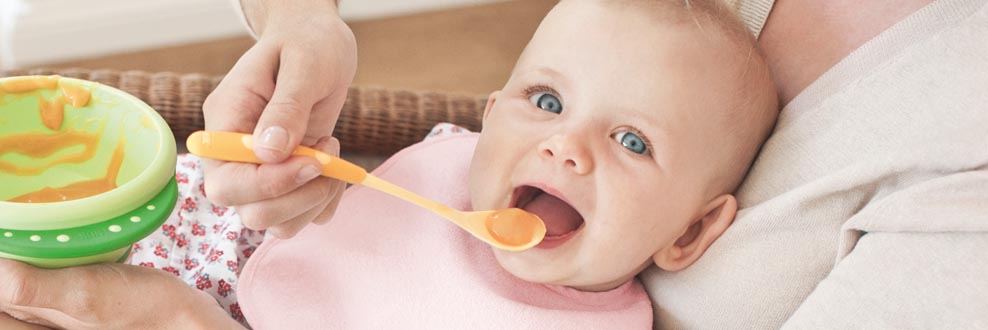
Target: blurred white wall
{"x":52,"y":31}
{"x":352,"y":10}
{"x":10,"y":11}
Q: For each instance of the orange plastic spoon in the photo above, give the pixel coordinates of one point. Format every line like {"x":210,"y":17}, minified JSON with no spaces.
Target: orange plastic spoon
{"x":509,"y":229}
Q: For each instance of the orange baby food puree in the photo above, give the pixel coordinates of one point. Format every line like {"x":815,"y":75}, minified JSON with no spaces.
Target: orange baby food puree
{"x":43,"y":145}
{"x":52,"y":112}
{"x":79,"y":189}
{"x":39,"y":145}
{"x":512,"y":226}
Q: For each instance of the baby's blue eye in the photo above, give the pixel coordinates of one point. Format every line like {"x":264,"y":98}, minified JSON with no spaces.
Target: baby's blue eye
{"x":547,"y":102}
{"x":633,"y":142}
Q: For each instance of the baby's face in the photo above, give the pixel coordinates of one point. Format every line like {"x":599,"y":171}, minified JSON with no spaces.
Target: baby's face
{"x":601,"y":131}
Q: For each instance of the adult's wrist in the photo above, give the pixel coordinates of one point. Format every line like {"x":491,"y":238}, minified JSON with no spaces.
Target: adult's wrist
{"x":261,"y":14}
{"x":204,"y":313}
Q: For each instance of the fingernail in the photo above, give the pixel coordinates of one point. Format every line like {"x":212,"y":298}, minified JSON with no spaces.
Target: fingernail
{"x":307,"y":173}
{"x":274,"y":140}
{"x":334,"y":146}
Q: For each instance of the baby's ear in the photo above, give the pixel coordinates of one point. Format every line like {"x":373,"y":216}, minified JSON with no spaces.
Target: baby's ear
{"x":702,"y":231}
{"x":490,"y":103}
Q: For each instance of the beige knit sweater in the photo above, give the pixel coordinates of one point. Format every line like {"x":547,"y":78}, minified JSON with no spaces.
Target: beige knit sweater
{"x":868,"y":206}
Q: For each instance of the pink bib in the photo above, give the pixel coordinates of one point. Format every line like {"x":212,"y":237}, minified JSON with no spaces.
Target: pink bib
{"x":383,"y":263}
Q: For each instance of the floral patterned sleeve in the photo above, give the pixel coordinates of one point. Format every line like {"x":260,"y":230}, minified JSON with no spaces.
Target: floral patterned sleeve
{"x":207,"y":245}
{"x":203,"y":244}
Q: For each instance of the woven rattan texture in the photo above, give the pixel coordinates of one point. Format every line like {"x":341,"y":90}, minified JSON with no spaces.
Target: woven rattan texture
{"x":373,"y":121}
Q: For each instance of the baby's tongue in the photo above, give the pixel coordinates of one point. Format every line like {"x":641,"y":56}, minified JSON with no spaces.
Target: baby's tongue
{"x":560,"y":218}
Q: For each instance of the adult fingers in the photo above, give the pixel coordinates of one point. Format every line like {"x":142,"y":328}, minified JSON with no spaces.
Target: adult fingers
{"x":238,"y":100}
{"x":38,"y":318}
{"x":235,"y":105}
{"x":285,"y":207}
{"x":330,"y":210}
{"x":234,"y":184}
{"x":41,"y":296}
{"x":284,"y":121}
{"x":8,"y":322}
{"x":332,"y":147}
{"x":325,"y":114}
{"x":289,"y":228}
{"x":329,"y":200}
{"x":19,"y":285}
{"x":273,"y":212}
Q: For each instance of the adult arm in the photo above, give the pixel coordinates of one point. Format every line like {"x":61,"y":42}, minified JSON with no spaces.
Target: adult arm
{"x":798,"y":52}
{"x":104,"y":296}
{"x":932,"y":280}
{"x":287,"y":90}
{"x":915,"y":259}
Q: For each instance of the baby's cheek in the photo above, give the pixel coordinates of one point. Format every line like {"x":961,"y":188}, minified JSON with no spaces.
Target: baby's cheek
{"x":482,"y":196}
{"x":485,"y":174}
{"x":480,"y":190}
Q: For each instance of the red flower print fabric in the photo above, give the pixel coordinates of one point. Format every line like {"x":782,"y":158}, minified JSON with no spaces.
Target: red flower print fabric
{"x":203,"y":244}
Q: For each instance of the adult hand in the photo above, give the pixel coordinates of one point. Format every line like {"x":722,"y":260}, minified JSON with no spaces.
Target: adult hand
{"x":288,"y":89}
{"x":8,"y":322}
{"x":105,"y":296}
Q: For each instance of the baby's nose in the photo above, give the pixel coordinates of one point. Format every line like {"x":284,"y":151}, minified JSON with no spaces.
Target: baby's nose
{"x":567,"y":151}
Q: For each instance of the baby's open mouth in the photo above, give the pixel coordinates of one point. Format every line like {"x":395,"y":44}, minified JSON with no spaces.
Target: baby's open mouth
{"x":559,"y":216}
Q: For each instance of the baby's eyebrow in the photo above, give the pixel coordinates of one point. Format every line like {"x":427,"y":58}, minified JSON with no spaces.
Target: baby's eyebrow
{"x":542,"y":71}
{"x":641,"y":115}
{"x":547,"y":71}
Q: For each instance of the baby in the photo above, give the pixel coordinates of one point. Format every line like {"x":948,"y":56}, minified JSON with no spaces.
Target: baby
{"x":625,"y":125}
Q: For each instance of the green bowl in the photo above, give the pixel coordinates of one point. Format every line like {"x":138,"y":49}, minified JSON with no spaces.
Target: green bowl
{"x":100,"y":227}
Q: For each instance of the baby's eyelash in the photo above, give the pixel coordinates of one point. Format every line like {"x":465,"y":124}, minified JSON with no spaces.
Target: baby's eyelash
{"x":534,"y":89}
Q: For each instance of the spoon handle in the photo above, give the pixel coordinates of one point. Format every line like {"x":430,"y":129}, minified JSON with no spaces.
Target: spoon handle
{"x":423,"y":202}
{"x":238,"y":147}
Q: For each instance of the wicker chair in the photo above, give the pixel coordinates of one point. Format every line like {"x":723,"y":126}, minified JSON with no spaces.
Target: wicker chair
{"x":374,"y":122}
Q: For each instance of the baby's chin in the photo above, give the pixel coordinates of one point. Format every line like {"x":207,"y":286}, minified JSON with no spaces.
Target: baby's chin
{"x":538,"y":266}
{"x":535,"y":266}
{"x":525,"y":267}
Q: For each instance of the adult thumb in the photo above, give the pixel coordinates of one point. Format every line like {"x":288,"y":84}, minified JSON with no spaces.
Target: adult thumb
{"x":283,"y":124}
{"x":26,"y":293}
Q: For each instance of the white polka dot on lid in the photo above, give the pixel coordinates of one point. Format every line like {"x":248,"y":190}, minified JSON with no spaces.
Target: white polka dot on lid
{"x":115,"y":228}
{"x":151,"y":207}
{"x":135,"y":219}
{"x":8,"y":234}
{"x":62,"y":238}
{"x":35,"y":238}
